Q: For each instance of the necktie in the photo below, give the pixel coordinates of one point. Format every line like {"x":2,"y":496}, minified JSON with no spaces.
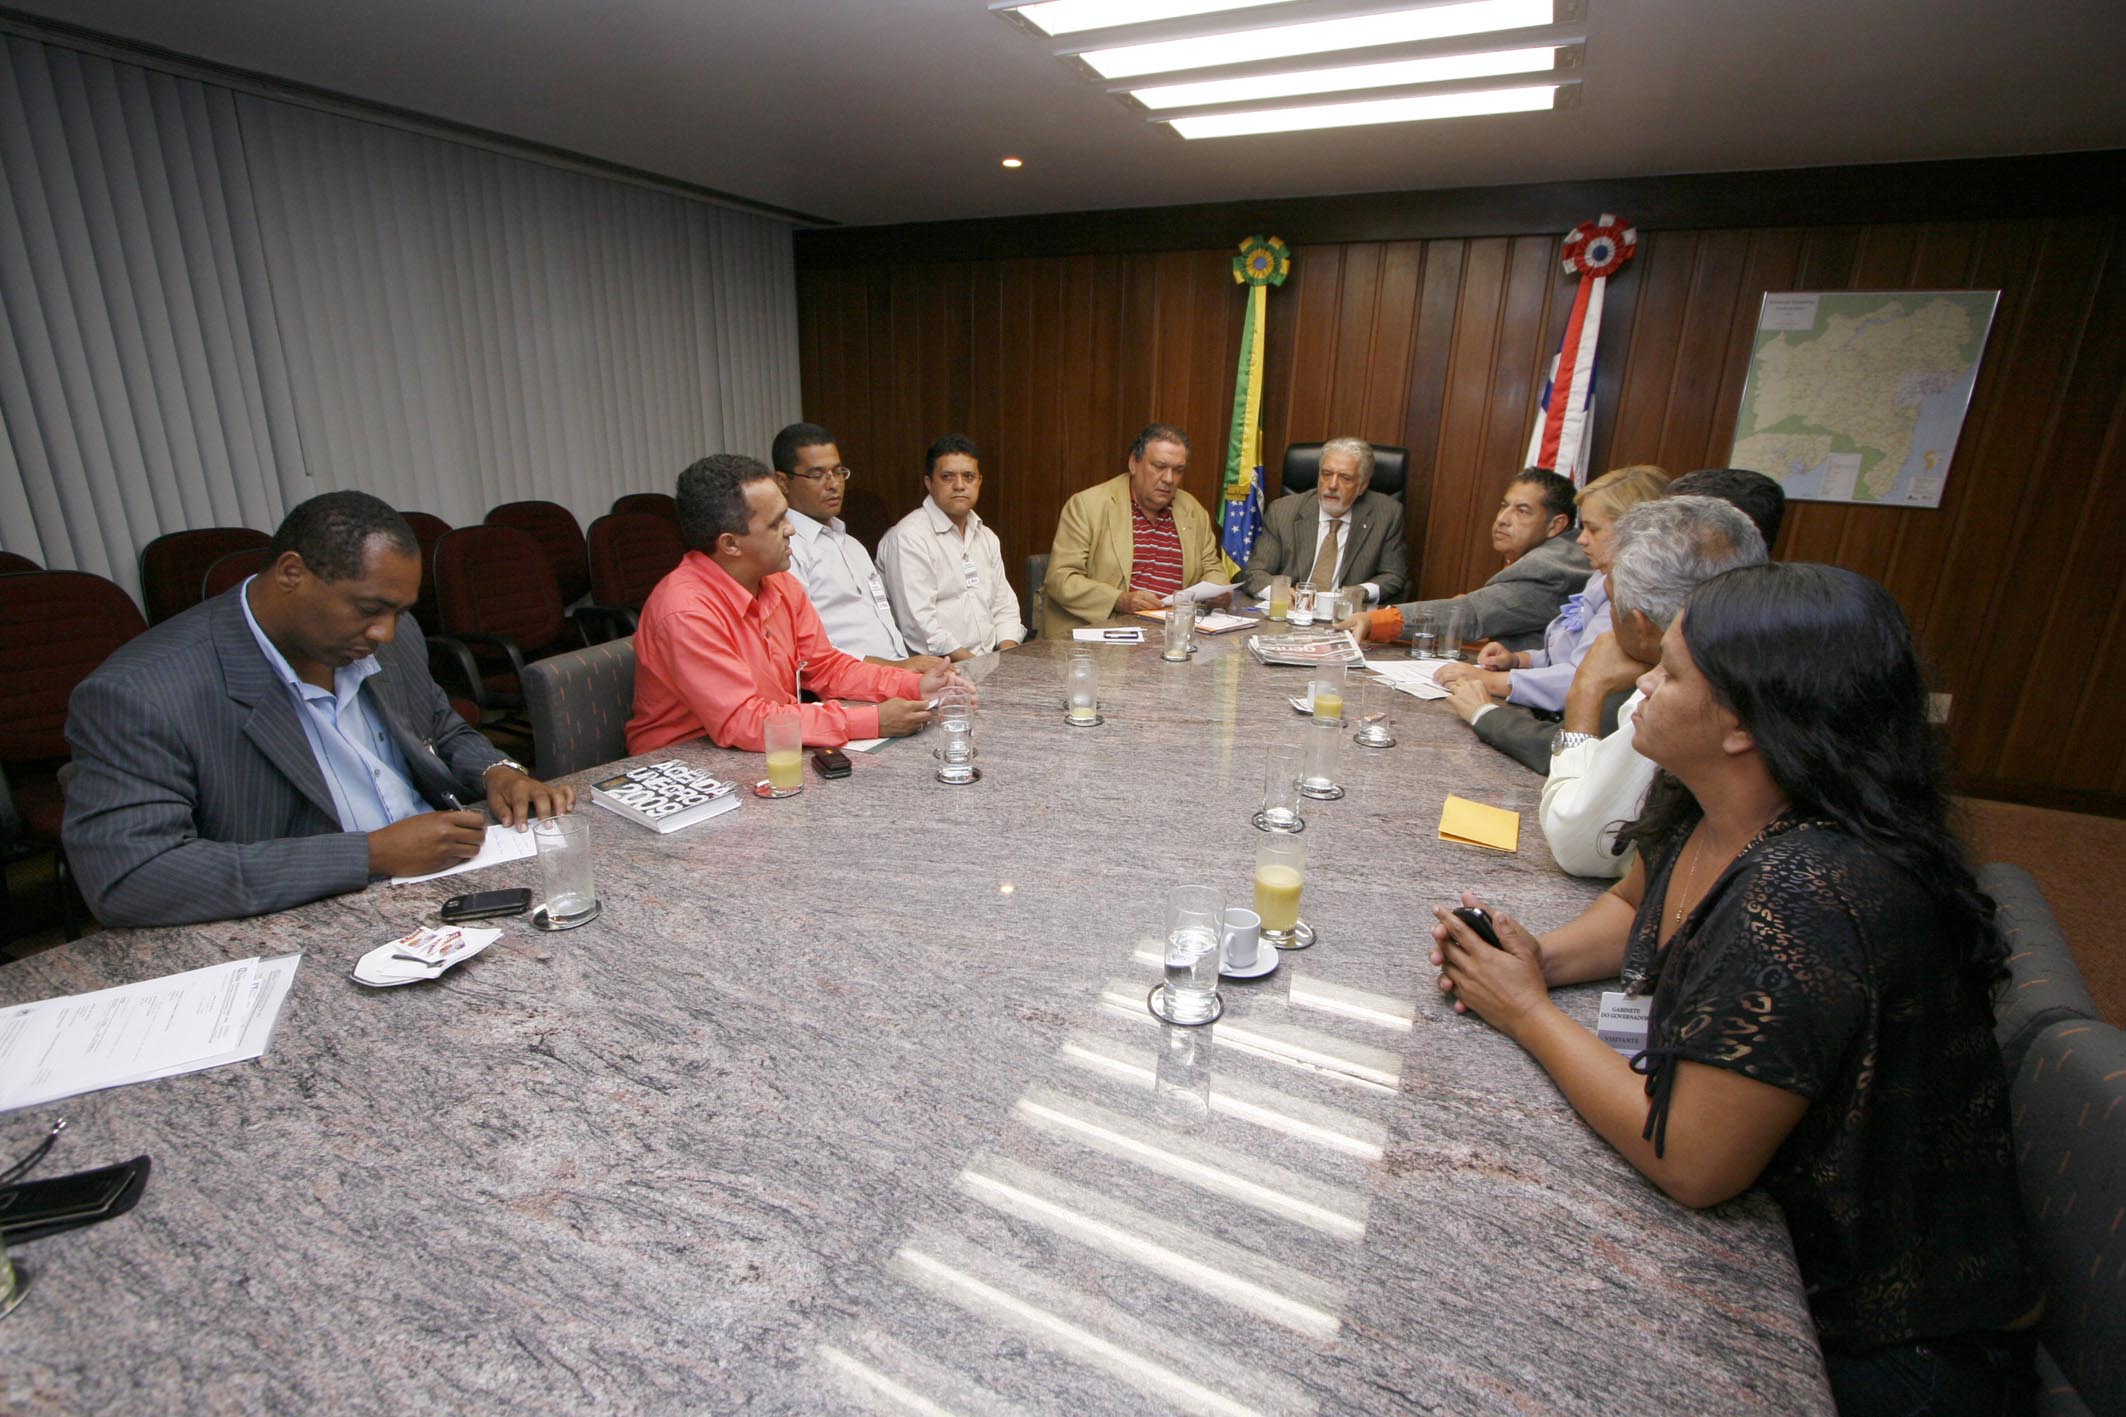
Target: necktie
{"x":1324,"y":577}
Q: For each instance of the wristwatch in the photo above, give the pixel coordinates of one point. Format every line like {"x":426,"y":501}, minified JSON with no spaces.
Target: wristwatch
{"x":513,"y":763}
{"x":1567,"y":739}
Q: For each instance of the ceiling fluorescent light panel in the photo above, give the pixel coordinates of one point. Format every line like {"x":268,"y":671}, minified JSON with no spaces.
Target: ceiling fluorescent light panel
{"x":1274,"y":42}
{"x":1076,"y":16}
{"x":1447,"y":68}
{"x":1532,"y":99}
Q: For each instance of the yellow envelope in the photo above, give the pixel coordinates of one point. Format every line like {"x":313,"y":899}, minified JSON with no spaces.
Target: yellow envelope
{"x":1474,"y":824}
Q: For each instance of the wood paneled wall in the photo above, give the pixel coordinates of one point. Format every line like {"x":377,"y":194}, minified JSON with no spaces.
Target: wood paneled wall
{"x":1052,"y":362}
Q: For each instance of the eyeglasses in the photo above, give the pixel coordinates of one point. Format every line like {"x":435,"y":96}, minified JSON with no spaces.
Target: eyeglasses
{"x":840,"y":474}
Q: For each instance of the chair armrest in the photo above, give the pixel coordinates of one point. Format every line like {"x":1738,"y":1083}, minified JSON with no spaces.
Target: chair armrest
{"x":11,"y":828}
{"x":453,"y":653}
{"x":599,"y":623}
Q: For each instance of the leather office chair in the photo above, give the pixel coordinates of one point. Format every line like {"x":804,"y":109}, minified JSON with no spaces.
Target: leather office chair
{"x":1036,"y":577}
{"x":1302,"y":468}
{"x":173,"y":567}
{"x":11,"y":564}
{"x":630,"y":552}
{"x":560,"y":539}
{"x":55,"y":628}
{"x":656,"y":504}
{"x":428,"y":529}
{"x":499,"y":608}
{"x":579,"y":704}
{"x":230,"y":570}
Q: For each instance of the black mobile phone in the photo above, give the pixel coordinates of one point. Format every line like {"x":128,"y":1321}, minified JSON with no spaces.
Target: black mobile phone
{"x":1479,"y":920}
{"x":485,"y":905}
{"x":831,"y":762}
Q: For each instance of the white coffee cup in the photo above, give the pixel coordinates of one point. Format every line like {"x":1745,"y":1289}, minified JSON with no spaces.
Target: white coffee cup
{"x":1239,"y":937}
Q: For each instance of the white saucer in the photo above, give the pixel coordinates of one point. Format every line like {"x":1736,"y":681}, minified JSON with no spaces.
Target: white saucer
{"x":1303,"y":705}
{"x":1266,"y":961}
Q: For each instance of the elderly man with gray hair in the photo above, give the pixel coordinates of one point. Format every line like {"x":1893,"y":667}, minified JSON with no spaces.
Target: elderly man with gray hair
{"x":1664,"y":549}
{"x":1340,"y":534}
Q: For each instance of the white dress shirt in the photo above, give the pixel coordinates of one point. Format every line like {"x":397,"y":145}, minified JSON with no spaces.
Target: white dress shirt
{"x":1591,"y":789}
{"x":1343,"y":544}
{"x":949,"y":589}
{"x":837,"y":573}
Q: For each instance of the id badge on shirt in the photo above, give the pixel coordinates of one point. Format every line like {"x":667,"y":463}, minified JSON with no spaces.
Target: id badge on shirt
{"x":878,"y":597}
{"x":1623,"y":1022}
{"x":968,"y":574}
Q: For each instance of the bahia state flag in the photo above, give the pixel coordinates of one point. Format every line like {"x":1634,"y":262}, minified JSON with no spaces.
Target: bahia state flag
{"x":1242,"y":519}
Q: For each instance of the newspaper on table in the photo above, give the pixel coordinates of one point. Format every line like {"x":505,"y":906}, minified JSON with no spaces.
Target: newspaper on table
{"x":1307,"y":648}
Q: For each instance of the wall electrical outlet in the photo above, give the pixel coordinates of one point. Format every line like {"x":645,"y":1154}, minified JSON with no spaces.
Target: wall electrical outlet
{"x":1938,"y":708}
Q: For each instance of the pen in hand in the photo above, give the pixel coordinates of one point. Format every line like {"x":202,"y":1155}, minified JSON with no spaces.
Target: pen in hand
{"x":450,"y":799}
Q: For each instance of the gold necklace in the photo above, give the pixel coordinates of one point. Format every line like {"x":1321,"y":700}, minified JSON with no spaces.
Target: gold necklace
{"x":1683,"y":901}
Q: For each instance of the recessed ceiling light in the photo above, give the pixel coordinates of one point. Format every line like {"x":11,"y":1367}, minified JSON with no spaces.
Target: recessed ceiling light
{"x":1071,"y":16}
{"x":1443,"y":69}
{"x":1318,"y":37}
{"x":1380,"y":110}
{"x":1013,"y":162}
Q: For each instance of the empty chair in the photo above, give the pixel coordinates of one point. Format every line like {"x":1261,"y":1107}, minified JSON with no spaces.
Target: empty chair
{"x":428,"y":529}
{"x":11,"y":564}
{"x":1302,"y":468}
{"x":174,"y":566}
{"x":499,"y":609}
{"x":231,"y":570}
{"x":630,"y":552}
{"x":55,"y":628}
{"x":656,"y":504}
{"x":560,"y":539}
{"x":579,"y":703}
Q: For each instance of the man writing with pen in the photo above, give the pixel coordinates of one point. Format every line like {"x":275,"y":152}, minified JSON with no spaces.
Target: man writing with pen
{"x":283,"y":741}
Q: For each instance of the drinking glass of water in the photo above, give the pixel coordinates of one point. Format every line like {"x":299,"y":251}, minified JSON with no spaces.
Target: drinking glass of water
{"x":565,"y":878}
{"x":1280,"y":791}
{"x":1189,"y":993}
{"x":955,"y":750}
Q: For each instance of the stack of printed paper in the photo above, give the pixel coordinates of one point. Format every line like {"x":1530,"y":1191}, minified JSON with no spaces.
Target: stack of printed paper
{"x":1417,"y":677}
{"x":157,"y":1028}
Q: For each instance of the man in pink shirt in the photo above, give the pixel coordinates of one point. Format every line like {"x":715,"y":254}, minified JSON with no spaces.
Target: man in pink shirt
{"x":727,"y":635}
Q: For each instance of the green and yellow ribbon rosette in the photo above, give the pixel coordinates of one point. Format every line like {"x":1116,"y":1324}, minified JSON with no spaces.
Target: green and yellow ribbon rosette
{"x":1262,"y":261}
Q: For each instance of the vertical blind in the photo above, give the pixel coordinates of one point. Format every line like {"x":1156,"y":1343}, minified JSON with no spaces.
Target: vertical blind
{"x":214,"y":305}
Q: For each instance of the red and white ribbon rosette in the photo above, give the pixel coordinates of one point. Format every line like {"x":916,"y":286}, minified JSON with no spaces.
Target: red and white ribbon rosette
{"x":1593,"y":251}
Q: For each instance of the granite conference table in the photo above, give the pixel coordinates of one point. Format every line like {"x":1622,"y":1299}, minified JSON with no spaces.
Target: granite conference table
{"x":851,"y":1102}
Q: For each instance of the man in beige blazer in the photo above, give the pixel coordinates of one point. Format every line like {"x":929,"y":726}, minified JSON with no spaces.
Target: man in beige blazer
{"x":1124,"y":544}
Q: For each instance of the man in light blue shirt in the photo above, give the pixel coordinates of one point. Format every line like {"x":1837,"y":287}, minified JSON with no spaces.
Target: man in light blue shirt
{"x":364,"y":770}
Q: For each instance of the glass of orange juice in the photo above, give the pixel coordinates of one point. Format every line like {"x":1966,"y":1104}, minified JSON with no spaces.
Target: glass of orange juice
{"x":1328,"y":686}
{"x":1280,"y":874}
{"x":784,"y":732}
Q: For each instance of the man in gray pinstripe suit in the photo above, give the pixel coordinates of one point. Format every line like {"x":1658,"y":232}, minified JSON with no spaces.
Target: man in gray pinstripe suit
{"x":283,"y":741}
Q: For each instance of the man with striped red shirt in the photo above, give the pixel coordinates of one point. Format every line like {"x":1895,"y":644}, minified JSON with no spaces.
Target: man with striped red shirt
{"x":1128,"y":543}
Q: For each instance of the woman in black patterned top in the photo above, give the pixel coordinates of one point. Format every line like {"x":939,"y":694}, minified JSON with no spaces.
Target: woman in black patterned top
{"x":1822,"y":967}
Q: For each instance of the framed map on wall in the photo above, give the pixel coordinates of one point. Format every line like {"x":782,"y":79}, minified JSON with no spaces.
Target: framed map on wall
{"x":1859,"y":396}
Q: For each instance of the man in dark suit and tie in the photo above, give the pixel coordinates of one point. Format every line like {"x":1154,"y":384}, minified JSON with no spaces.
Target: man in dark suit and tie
{"x":1340,"y":534}
{"x":283,"y":741}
